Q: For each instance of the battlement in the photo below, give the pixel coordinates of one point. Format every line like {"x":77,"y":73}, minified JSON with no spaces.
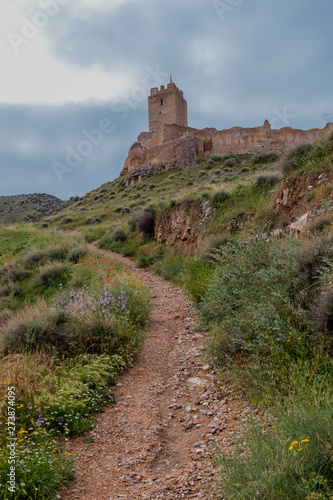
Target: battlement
{"x":166,"y":106}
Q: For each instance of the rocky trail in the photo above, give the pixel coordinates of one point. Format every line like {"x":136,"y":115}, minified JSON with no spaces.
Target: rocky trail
{"x":157,"y":441}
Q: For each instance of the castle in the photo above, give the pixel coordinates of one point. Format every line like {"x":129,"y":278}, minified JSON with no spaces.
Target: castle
{"x":171,"y":143}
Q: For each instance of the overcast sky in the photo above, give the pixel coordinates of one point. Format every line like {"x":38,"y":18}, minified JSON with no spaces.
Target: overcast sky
{"x":75,"y":77}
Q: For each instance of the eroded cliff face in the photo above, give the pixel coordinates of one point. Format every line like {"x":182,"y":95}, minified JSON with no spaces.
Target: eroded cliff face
{"x":304,"y":197}
{"x":183,"y":225}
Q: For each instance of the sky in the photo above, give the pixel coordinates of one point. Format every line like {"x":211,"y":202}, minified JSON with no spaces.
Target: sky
{"x":75,"y":78}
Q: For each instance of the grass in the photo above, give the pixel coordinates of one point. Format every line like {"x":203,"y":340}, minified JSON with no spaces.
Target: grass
{"x":71,"y":321}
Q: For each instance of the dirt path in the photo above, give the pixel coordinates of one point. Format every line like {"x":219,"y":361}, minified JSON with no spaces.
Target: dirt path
{"x":153,"y":442}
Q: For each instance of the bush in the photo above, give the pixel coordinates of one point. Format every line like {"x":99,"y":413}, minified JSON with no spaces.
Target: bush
{"x":314,"y":258}
{"x":76,"y":254}
{"x":296,"y":159}
{"x":263,"y":157}
{"x":67,"y":220}
{"x":143,"y":221}
{"x":50,"y":274}
{"x":56,"y":253}
{"x":34,"y":330}
{"x":212,"y":244}
{"x":220,"y":197}
{"x":170,"y":267}
{"x":33,"y":258}
{"x":119,"y":235}
{"x":232,"y":162}
{"x":250,"y":302}
{"x":266,"y":181}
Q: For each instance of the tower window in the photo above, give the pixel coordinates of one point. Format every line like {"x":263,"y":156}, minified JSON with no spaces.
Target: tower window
{"x":161,"y":102}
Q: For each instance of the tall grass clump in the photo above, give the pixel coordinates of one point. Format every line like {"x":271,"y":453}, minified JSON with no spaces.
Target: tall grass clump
{"x":197,"y":277}
{"x":170,"y":267}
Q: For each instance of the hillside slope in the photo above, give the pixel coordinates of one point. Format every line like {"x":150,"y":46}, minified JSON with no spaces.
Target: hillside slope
{"x":27,"y":207}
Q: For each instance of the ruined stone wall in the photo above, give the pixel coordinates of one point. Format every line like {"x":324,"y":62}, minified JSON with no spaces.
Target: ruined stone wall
{"x":174,"y":145}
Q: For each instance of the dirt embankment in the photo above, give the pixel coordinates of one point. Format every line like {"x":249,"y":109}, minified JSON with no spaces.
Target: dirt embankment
{"x":304,"y":197}
{"x":183,"y":225}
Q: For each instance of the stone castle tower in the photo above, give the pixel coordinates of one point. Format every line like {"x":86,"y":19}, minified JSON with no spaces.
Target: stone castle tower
{"x":166,"y":106}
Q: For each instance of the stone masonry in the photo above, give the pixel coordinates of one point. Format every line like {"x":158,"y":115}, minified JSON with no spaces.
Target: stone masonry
{"x":171,"y":144}
{"x":166,"y":106}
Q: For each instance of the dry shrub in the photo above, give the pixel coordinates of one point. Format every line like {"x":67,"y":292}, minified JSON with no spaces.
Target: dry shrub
{"x":35,"y":329}
{"x":143,"y":221}
{"x":33,"y":258}
{"x":50,"y":273}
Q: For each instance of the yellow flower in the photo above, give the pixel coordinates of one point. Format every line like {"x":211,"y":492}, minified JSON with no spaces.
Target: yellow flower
{"x":293,"y":444}
{"x":304,"y":441}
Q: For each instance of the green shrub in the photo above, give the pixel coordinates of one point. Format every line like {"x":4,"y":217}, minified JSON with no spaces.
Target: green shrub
{"x":266,"y":181}
{"x":297,"y":159}
{"x":51,"y":274}
{"x":119,"y":235}
{"x":263,"y":157}
{"x":36,"y":330}
{"x":220,"y":197}
{"x":56,"y":253}
{"x":320,"y":224}
{"x":197,"y":276}
{"x":33,"y":258}
{"x":170,"y":267}
{"x":232,"y":162}
{"x":212,"y":244}
{"x":250,"y":302}
{"x":76,"y":254}
{"x":229,"y":156}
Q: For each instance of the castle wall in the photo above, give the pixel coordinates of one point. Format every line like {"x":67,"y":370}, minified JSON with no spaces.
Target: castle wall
{"x":176,"y":146}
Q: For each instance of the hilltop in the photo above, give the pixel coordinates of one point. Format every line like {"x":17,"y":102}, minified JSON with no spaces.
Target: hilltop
{"x":27,"y":207}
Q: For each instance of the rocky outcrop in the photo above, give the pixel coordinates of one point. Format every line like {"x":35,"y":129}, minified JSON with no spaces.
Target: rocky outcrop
{"x":302,"y":198}
{"x":183,"y":225}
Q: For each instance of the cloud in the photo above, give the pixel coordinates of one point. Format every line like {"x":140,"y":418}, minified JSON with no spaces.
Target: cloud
{"x":92,"y":55}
